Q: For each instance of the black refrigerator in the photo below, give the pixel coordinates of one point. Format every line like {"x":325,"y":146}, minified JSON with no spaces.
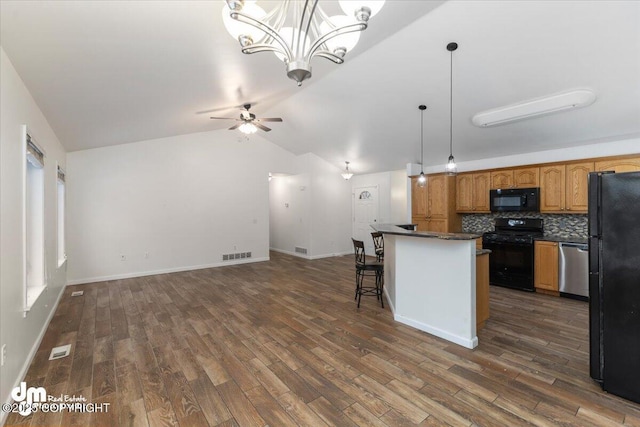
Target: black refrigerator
{"x":614,"y":282}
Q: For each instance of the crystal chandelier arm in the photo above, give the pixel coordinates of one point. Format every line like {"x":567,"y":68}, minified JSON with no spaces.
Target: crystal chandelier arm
{"x":309,"y":20}
{"x":262,"y":47}
{"x":239,"y":16}
{"x":330,"y":56}
{"x":351,"y":28}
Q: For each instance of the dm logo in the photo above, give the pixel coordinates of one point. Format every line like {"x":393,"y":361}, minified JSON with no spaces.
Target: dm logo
{"x":27,"y":397}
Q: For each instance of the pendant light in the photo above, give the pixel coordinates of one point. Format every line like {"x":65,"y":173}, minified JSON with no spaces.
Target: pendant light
{"x":451,"y":167}
{"x":422,"y":179}
{"x":347,"y":173}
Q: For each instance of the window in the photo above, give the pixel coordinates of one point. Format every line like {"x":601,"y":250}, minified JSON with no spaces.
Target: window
{"x":62,"y":255}
{"x":34,"y":222}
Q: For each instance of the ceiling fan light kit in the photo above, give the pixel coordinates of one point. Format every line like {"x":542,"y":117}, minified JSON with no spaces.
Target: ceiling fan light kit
{"x":296,"y":31}
{"x":248,"y":122}
{"x":535,"y":107}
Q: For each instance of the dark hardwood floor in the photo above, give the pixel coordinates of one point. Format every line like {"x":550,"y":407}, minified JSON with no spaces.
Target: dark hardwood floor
{"x":281,"y":343}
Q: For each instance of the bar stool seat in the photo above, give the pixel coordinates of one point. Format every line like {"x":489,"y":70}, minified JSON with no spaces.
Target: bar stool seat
{"x":371,"y":269}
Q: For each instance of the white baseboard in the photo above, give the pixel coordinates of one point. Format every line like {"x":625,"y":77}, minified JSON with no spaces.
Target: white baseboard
{"x":282,"y":251}
{"x":163,"y":271}
{"x":32,"y":353}
{"x":389,"y":303}
{"x":463,"y":341}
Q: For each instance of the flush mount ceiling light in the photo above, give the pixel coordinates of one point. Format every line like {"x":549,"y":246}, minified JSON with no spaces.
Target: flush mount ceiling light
{"x":451,"y":167}
{"x":422,"y":179}
{"x":296,"y":31}
{"x":347,"y":173}
{"x":535,"y":107}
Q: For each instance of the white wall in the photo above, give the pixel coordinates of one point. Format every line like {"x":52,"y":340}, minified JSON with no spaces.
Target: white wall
{"x":330,"y":209}
{"x":290,"y":213}
{"x":22,"y":334}
{"x":169,"y":204}
{"x":311,"y":210}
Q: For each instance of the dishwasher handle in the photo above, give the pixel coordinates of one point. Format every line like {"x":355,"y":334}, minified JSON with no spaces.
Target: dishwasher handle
{"x":582,"y":247}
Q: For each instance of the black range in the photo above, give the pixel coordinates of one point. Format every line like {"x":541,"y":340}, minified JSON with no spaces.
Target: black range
{"x":512,"y":258}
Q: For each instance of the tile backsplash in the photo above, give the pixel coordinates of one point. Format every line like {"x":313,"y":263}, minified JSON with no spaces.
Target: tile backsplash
{"x":559,"y":225}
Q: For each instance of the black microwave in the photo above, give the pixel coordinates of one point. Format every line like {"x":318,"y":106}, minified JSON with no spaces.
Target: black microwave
{"x":515,"y":200}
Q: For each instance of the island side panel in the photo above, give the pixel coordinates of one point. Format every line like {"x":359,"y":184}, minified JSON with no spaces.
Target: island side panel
{"x":390,"y":270}
{"x":435,"y":287}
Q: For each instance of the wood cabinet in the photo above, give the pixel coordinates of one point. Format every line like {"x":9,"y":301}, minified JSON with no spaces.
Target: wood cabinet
{"x":433,"y":206}
{"x":502,"y":179}
{"x":546,"y":266}
{"x":563,"y":188}
{"x":631,"y":164}
{"x":576,"y":187}
{"x":526,"y":177}
{"x":437,"y":196}
{"x":516,"y":178}
{"x":418,"y":198}
{"x":482,"y":290}
{"x":472,"y":192}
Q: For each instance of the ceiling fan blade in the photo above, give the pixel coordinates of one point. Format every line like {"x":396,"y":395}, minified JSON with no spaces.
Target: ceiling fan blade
{"x":232,"y":107}
{"x":270,"y":119}
{"x":263,"y":127}
{"x":224,"y":118}
{"x":235,"y":126}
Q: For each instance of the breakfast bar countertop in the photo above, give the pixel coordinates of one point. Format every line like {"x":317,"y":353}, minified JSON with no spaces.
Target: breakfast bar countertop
{"x":394,"y":229}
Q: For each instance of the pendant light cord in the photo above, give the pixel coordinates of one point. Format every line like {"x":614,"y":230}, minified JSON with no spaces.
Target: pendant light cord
{"x":451,"y":106}
{"x":421,"y":140}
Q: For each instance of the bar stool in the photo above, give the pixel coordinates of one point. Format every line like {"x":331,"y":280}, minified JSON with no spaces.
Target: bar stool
{"x":378,"y":245}
{"x":372,"y":269}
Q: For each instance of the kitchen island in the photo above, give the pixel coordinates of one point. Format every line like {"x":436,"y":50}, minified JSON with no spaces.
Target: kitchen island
{"x":430,"y":281}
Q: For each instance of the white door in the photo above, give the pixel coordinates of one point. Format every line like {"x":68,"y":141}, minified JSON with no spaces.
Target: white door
{"x":365,"y":212}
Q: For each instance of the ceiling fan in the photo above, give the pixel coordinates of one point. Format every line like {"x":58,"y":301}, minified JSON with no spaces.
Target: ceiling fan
{"x":248,"y":121}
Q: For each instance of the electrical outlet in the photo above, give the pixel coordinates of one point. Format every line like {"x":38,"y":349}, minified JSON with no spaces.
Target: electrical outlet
{"x":3,"y":355}
{"x":123,"y":258}
{"x":146,"y":254}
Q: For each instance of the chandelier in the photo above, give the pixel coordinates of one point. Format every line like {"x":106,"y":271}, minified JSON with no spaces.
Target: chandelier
{"x":296,"y":31}
{"x":347,"y":173}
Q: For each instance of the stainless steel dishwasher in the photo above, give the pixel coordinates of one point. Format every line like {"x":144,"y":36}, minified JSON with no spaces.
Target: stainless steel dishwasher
{"x":574,"y":269}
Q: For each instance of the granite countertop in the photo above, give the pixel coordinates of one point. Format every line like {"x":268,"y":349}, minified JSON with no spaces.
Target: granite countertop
{"x":483,"y":252}
{"x":569,"y":239}
{"x":394,"y":229}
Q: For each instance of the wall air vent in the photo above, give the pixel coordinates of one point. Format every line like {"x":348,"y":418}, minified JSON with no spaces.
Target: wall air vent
{"x":300,"y":250}
{"x":239,"y":255}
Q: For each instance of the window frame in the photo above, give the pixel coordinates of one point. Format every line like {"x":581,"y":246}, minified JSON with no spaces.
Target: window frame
{"x":31,"y":293}
{"x":61,"y":226}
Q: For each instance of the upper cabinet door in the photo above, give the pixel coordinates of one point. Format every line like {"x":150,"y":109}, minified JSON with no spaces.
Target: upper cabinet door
{"x":418,"y":199}
{"x":437,"y":197}
{"x":618,"y":166}
{"x":526,"y":177}
{"x":464,"y":192}
{"x":552,"y":188}
{"x":502,"y":179}
{"x":481,"y":191}
{"x":576,"y":186}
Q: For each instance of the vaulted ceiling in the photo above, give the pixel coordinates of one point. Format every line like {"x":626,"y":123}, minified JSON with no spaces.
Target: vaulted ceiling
{"x":112,"y":72}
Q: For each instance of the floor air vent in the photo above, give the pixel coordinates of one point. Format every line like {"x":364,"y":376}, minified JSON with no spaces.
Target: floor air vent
{"x":77,"y":293}
{"x":300,"y":250}
{"x":60,"y":352}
